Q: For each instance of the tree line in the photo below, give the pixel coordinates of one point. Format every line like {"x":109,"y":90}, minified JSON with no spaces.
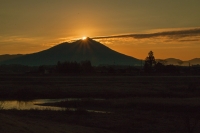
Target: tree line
{"x":72,"y":67}
{"x":153,"y":66}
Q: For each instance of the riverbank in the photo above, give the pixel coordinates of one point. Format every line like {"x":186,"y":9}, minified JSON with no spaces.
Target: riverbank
{"x":124,"y":120}
{"x":19,"y":123}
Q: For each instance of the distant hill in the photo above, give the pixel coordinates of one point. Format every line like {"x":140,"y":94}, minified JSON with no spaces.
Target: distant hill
{"x":194,"y":61}
{"x":80,"y":50}
{"x":174,"y":61}
{"x":8,"y":57}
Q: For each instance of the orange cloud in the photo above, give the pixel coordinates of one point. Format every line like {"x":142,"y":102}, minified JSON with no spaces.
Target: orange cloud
{"x":183,"y":44}
{"x":169,"y":35}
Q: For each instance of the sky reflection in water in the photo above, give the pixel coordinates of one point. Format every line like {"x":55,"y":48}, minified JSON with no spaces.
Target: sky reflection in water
{"x":27,"y":105}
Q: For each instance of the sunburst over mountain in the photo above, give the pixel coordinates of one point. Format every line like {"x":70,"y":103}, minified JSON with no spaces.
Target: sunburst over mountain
{"x":83,"y":49}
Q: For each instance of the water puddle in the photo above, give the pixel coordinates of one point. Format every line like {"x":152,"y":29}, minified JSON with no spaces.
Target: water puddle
{"x":27,"y":105}
{"x":37,"y":104}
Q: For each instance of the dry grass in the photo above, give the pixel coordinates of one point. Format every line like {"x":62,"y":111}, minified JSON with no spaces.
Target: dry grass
{"x":18,"y":124}
{"x":27,"y":87}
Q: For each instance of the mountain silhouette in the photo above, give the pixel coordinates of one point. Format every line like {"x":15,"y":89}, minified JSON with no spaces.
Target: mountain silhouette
{"x":79,"y":50}
{"x":175,"y":61}
{"x":194,"y":61}
{"x":8,"y":57}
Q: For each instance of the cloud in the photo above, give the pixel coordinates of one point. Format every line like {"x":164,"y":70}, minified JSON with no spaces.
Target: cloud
{"x":189,"y":40}
{"x":172,"y":35}
{"x":7,"y":39}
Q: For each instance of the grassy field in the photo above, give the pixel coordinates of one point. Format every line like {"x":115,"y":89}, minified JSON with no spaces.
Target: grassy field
{"x":31,"y":87}
{"x":135,"y":104}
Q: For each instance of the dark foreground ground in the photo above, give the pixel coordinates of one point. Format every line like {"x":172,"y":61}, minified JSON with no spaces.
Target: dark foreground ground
{"x":130,"y":104}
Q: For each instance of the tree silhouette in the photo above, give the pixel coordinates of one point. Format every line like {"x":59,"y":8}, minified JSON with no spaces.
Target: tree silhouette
{"x":68,"y":67}
{"x":159,"y":67}
{"x":86,"y":66}
{"x":150,"y":62}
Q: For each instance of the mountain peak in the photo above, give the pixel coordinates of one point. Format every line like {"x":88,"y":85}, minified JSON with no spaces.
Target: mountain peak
{"x":80,"y":50}
{"x":86,"y":40}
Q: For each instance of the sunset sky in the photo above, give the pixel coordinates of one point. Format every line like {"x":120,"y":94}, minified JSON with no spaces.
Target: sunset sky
{"x":170,"y":28}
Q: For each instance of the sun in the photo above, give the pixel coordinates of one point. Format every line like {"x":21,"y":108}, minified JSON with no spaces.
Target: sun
{"x":84,"y":37}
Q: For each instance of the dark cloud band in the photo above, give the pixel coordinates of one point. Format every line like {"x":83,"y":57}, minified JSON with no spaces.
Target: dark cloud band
{"x":170,"y":34}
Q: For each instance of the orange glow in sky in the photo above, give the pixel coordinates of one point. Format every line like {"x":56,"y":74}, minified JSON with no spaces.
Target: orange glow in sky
{"x":84,"y":37}
{"x":32,"y":26}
